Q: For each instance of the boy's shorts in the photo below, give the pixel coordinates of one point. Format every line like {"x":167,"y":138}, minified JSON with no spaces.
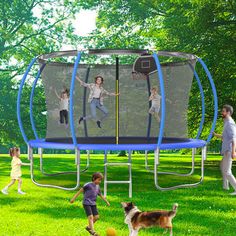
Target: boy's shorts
{"x":90,"y":210}
{"x":154,"y":109}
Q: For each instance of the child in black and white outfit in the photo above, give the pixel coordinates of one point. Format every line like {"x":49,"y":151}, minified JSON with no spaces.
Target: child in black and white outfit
{"x":64,"y":106}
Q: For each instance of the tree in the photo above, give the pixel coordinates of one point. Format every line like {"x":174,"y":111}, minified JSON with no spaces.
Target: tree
{"x":27,"y":29}
{"x":205,"y":28}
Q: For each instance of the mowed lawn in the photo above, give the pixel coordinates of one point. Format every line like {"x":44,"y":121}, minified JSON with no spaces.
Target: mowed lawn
{"x":204,"y":210}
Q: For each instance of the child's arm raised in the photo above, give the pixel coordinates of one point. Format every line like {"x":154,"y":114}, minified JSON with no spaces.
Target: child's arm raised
{"x":104,"y":199}
{"x":76,"y":195}
{"x":57,"y":94}
{"x":82,"y":83}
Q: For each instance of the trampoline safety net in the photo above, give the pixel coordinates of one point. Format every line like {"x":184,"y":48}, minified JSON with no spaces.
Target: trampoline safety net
{"x":134,"y":115}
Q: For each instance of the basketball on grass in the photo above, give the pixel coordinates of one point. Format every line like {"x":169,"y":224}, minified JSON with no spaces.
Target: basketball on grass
{"x":111,"y":232}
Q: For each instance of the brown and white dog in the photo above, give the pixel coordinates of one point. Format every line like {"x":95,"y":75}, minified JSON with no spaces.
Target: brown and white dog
{"x":136,"y":219}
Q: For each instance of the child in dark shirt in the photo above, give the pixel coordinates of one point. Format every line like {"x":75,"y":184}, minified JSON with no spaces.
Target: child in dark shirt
{"x":91,"y":190}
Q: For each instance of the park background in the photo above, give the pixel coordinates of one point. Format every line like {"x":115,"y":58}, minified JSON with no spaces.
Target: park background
{"x":30,"y":28}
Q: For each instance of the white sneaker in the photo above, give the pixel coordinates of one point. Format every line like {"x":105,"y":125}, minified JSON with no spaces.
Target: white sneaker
{"x":21,"y":192}
{"x":233,"y":194}
{"x":4,"y":191}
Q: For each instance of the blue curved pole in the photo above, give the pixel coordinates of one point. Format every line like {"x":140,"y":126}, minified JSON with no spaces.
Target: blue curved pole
{"x":203,"y":104}
{"x":203,"y":101}
{"x":31,"y":101}
{"x":72,"y":85}
{"x":215,"y":99}
{"x":19,"y":100}
{"x":163,"y":105}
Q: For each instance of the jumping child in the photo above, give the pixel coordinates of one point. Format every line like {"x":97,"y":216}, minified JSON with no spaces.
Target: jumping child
{"x":64,"y":106}
{"x":156,"y":101}
{"x":95,"y":99}
{"x":16,"y":164}
{"x":91,"y":190}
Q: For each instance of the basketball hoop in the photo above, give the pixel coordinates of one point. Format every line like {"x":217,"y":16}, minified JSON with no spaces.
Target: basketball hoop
{"x":143,"y":66}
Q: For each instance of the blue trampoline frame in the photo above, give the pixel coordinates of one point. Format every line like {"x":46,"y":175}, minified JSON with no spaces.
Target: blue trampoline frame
{"x":193,"y":143}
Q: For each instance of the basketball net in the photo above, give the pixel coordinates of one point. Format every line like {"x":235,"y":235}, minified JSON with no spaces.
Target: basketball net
{"x":138,"y":75}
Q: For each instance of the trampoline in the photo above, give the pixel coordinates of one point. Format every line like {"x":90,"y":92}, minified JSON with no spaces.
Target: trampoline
{"x":129,"y":124}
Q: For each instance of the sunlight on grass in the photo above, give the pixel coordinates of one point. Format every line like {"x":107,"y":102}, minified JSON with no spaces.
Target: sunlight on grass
{"x":205,"y":210}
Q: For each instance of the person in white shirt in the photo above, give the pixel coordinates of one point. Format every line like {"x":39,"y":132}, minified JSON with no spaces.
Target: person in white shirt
{"x":64,"y":107}
{"x":228,"y":148}
{"x":95,"y":99}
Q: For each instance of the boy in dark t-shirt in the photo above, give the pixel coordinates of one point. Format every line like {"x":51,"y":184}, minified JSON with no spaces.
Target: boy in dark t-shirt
{"x":91,"y":191}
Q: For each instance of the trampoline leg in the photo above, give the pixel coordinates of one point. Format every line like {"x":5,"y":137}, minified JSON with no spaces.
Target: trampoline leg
{"x":156,"y":163}
{"x":30,"y":153}
{"x":146,"y":163}
{"x":40,"y":152}
{"x":106,"y":164}
{"x":105,"y":173}
{"x":171,"y":173}
{"x":77,"y":157}
{"x":87,"y":162}
{"x":130,"y":175}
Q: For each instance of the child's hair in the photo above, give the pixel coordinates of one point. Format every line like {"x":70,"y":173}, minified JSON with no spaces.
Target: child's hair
{"x":97,"y":175}
{"x":67,"y":91}
{"x":13,"y":150}
{"x":64,"y":92}
{"x":98,"y":76}
{"x":154,"y":88}
{"x":229,"y":109}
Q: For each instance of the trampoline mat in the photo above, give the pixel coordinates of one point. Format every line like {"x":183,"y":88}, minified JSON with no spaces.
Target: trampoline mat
{"x":122,"y":140}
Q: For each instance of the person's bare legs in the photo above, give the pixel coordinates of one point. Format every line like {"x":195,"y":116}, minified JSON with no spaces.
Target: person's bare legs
{"x":95,"y":218}
{"x":19,"y":186}
{"x":11,"y":183}
{"x":91,"y":222}
{"x":156,"y":115}
{"x":4,"y":191}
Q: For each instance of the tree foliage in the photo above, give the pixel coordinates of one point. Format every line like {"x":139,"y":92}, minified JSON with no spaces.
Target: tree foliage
{"x":206,"y":28}
{"x":27,"y":29}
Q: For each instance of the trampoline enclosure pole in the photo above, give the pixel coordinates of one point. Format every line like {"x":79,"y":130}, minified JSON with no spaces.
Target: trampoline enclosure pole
{"x":202,"y":99}
{"x":203,"y":104}
{"x":117,"y":100}
{"x":19,"y":99}
{"x":31,"y":100}
{"x":163,"y":106}
{"x":213,"y":88}
{"x":72,"y":127}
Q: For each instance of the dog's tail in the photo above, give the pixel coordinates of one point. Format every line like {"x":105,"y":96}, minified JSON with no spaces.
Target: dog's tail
{"x":172,"y":213}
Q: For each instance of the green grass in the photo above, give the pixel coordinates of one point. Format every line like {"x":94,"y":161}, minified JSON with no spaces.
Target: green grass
{"x":205,"y":210}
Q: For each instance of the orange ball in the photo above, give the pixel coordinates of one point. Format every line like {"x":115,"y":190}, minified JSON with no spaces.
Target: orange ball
{"x":111,"y":232}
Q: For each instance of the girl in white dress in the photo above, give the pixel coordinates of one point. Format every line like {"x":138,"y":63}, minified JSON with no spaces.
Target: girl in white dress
{"x":16,"y":164}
